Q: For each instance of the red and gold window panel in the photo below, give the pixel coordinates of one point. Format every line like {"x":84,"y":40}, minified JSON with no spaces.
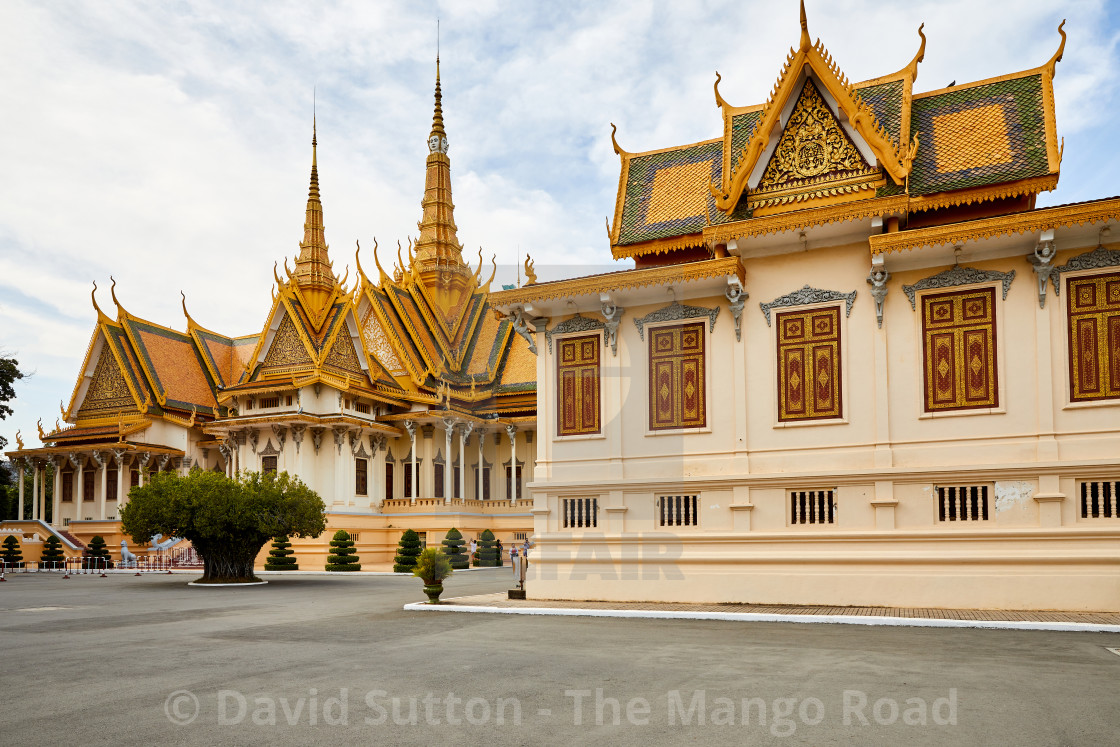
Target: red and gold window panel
{"x":578,"y":384}
{"x":959,"y":350}
{"x":676,"y":377}
{"x":809,"y":365}
{"x":1093,"y":303}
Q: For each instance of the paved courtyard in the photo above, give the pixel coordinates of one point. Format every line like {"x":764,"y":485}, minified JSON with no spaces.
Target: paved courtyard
{"x":325,"y":660}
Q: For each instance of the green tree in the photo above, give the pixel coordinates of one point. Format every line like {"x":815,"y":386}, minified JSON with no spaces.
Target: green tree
{"x":11,"y":553}
{"x":343,"y":556}
{"x":453,"y":548}
{"x":53,"y":555}
{"x":97,"y":551}
{"x":227,"y":521}
{"x":9,"y":375}
{"x":280,"y":556}
{"x":408,"y":549}
{"x":487,"y":550}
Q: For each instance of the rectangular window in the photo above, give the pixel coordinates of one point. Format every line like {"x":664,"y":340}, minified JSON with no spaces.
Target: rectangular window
{"x":67,"y":480}
{"x":270,"y":402}
{"x":439,"y":480}
{"x":580,"y":513}
{"x":676,"y":377}
{"x":87,"y":484}
{"x":362,"y":407}
{"x":360,"y":476}
{"x":134,"y":478}
{"x":111,"y":486}
{"x":577,"y":374}
{"x":962,"y":503}
{"x":355,"y":536}
{"x":288,"y":400}
{"x":678,"y":510}
{"x":812,"y":507}
{"x":485,"y":483}
{"x":455,"y":482}
{"x":1100,"y":500}
{"x":809,"y":365}
{"x":423,"y":539}
{"x":959,"y":350}
{"x":406,"y":467}
{"x":1093,"y":305}
{"x":509,"y":486}
{"x":520,"y":536}
{"x":268,"y":465}
{"x":388,"y":480}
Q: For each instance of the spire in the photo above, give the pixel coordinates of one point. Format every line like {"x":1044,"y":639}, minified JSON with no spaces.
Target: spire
{"x":313,"y":269}
{"x":805,"y":41}
{"x":438,"y":245}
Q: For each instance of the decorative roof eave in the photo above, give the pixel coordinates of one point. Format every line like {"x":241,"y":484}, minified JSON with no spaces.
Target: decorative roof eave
{"x":814,"y":56}
{"x":82,"y":431}
{"x":291,"y":383}
{"x":845,"y":211}
{"x":436,"y":416}
{"x":657,"y":246}
{"x":1041,"y":219}
{"x":1034,"y":185}
{"x":226,"y":424}
{"x":626,"y":279}
{"x":102,"y":446}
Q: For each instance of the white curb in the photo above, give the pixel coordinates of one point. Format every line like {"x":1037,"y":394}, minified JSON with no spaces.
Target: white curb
{"x":912,"y":622}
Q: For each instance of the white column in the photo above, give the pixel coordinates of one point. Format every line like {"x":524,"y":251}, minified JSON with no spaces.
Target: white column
{"x":481,"y":439}
{"x":512,"y":431}
{"x":35,"y":491}
{"x":448,"y":430}
{"x":119,"y":457}
{"x":56,"y":493}
{"x":104,"y":499}
{"x":411,"y":428}
{"x":464,"y":434}
{"x":20,"y":514}
{"x":80,"y":488}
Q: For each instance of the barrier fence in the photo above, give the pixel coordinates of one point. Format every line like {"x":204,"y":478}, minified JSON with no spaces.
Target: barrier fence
{"x":87,"y":565}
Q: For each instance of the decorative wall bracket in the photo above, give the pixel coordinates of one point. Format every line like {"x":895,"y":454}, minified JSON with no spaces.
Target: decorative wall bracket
{"x":737,"y":298}
{"x":577,"y":323}
{"x":281,"y":435}
{"x":517,"y":319}
{"x":808,"y":295}
{"x":612,"y":313}
{"x":1097,"y":259}
{"x":877,"y":279}
{"x":339,"y":436}
{"x":955,"y":276}
{"x":1041,"y":259}
{"x":317,"y":438}
{"x":98,"y":458}
{"x":253,"y":439}
{"x":676,"y":311}
{"x":297,"y":435}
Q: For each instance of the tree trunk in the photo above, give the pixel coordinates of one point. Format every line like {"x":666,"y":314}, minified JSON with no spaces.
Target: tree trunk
{"x":227,"y":565}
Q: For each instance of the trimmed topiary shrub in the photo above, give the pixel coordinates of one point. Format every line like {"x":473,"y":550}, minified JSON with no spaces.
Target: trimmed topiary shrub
{"x":11,"y":553}
{"x":280,"y":556}
{"x":487,"y":551}
{"x":408,"y":549}
{"x":96,"y":552}
{"x":52,"y":556}
{"x":453,"y":548}
{"x":343,"y":556}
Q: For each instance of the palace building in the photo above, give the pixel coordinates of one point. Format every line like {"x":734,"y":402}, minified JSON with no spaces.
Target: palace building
{"x":403,"y":400}
{"x":854,"y":364}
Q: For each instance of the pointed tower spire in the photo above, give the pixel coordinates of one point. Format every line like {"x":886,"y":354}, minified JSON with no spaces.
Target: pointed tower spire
{"x":437,"y":248}
{"x":313,"y":268}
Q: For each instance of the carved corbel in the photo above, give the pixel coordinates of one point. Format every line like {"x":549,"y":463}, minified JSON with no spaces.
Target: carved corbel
{"x":142,"y":462}
{"x":317,"y":438}
{"x":118,"y":457}
{"x":73,"y":459}
{"x":612,"y":313}
{"x":339,"y":436}
{"x":97,"y":458}
{"x":297,"y":435}
{"x":253,"y":437}
{"x":355,"y":441}
{"x":281,"y":434}
{"x":511,"y":430}
{"x":467,"y":428}
{"x":737,"y":299}
{"x":877,"y":279}
{"x":1042,"y":260}
{"x":162,"y":462}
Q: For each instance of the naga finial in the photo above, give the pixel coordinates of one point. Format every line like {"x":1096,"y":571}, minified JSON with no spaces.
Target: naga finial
{"x":42,"y":433}
{"x":719,"y":99}
{"x":1052,"y":65}
{"x":19,"y":441}
{"x":113,"y":293}
{"x":614,"y":142}
{"x":530,"y":273}
{"x":806,"y":42}
{"x":93,"y":295}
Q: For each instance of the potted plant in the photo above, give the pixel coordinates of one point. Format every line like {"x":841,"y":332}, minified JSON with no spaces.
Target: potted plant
{"x":432,"y":567}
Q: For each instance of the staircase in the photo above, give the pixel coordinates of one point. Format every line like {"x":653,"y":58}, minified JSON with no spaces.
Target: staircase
{"x":71,"y":538}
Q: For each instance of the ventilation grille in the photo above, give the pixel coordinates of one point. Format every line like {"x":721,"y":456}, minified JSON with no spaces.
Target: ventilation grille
{"x":270,"y":402}
{"x":581,"y":513}
{"x":678,"y":510}
{"x":962,"y":503}
{"x":1099,"y":500}
{"x":812,"y":507}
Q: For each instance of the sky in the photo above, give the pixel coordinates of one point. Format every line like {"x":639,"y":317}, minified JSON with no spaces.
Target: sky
{"x":168,"y":144}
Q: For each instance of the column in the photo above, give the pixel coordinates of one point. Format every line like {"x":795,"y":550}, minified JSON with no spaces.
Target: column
{"x":464,"y":434}
{"x":142,"y":466}
{"x":20,"y":514}
{"x":512,"y":431}
{"x":119,"y":457}
{"x":481,"y":441}
{"x":35,"y":491}
{"x":104,"y":463}
{"x":56,"y":493}
{"x":411,"y":428}
{"x":80,"y":488}
{"x":448,"y":431}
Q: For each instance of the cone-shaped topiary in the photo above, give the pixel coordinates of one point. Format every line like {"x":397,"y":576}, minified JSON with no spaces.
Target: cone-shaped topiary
{"x":487,"y":550}
{"x":432,"y":567}
{"x":11,"y":554}
{"x":52,"y":556}
{"x":343,"y":556}
{"x":97,"y":553}
{"x":408,"y":549}
{"x":453,"y":548}
{"x":280,"y":556}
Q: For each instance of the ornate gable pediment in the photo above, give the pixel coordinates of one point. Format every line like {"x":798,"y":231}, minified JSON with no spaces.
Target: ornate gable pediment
{"x":287,"y":348}
{"x":108,"y":392}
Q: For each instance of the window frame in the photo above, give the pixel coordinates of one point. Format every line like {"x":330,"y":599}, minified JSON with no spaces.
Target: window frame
{"x":706,"y":340}
{"x":557,"y":342}
{"x":361,"y":476}
{"x":1067,"y":279}
{"x":775,"y":368}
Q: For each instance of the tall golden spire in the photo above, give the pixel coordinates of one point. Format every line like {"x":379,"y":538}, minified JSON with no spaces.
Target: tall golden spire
{"x":438,"y":248}
{"x":313,"y":267}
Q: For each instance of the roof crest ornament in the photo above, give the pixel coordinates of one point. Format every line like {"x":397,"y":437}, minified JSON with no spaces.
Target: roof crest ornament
{"x":805,"y":43}
{"x":113,"y":292}
{"x":720,"y":102}
{"x":1052,"y":65}
{"x":493,"y":259}
{"x":617,"y":148}
{"x":101,"y":315}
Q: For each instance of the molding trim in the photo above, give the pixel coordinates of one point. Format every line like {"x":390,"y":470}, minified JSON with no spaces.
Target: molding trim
{"x":955,"y":276}
{"x":578,"y":323}
{"x":1097,"y":259}
{"x":806,"y":296}
{"x":674,"y":312}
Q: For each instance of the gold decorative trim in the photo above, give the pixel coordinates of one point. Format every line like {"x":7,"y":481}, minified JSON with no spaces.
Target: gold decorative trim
{"x":1036,"y":220}
{"x":804,"y":219}
{"x":1033,"y":185}
{"x":658,"y":246}
{"x":595,"y":284}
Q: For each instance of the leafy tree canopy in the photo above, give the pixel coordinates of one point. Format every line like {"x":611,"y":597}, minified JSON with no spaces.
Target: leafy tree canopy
{"x":9,"y":375}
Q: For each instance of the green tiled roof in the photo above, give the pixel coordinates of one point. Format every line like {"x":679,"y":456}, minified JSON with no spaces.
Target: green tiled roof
{"x":635,"y":227}
{"x":885,"y":100}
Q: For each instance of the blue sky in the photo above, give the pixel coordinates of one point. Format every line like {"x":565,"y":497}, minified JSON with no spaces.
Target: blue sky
{"x":167,"y":144}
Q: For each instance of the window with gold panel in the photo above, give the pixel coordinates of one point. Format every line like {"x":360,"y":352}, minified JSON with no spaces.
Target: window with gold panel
{"x":809,"y":365}
{"x":676,"y":377}
{"x":577,"y":374}
{"x":959,"y":350}
{"x":1093,"y":309}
